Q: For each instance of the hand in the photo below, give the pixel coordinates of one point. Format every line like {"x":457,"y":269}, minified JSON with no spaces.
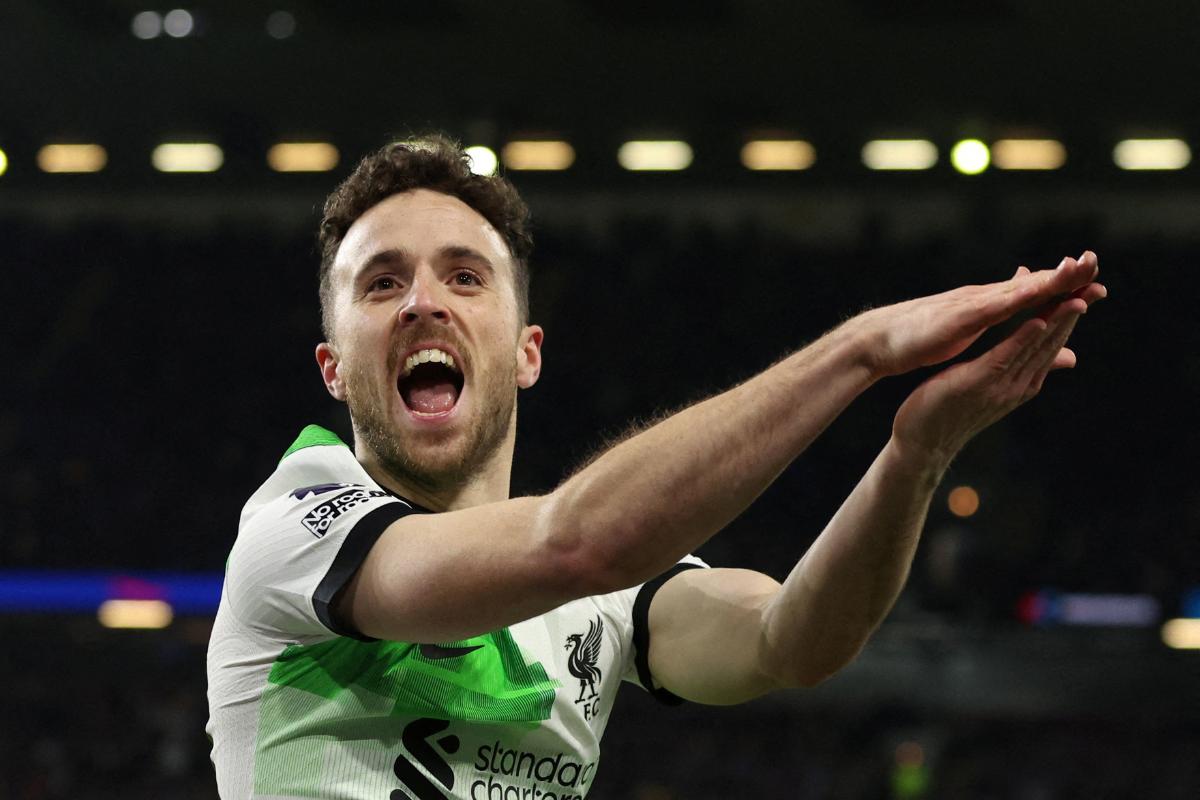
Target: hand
{"x":944,"y":412}
{"x":930,"y":330}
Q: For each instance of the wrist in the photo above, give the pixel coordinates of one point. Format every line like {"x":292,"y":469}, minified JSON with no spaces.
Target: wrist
{"x":865,"y":344}
{"x":924,"y":463}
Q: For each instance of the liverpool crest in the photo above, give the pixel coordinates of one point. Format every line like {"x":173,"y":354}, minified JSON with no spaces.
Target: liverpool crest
{"x":583,"y":658}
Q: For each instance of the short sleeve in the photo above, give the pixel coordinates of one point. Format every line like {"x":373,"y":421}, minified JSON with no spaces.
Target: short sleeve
{"x":296,"y":552}
{"x":636,"y":602}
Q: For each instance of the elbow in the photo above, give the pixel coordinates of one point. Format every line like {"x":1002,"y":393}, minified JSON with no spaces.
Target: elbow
{"x":811,"y":678}
{"x":581,"y":560}
{"x":806,"y":672}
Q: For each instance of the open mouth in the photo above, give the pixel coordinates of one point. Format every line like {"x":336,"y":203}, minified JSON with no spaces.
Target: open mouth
{"x":430,"y":382}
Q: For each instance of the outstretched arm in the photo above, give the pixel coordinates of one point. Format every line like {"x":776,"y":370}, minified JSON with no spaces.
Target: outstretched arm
{"x":802,"y":632}
{"x":658,"y":495}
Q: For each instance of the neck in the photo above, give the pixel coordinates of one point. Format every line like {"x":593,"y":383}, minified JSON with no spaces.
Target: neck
{"x":488,"y":483}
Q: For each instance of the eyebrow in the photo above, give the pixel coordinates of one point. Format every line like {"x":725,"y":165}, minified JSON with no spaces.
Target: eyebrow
{"x":399,"y":255}
{"x":392,"y":255}
{"x":462,"y":251}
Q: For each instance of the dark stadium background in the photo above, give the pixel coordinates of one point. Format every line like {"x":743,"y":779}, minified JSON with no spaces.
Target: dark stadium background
{"x":159,"y":332}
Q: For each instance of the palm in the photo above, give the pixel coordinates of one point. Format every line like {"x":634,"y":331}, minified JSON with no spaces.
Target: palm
{"x":944,"y":412}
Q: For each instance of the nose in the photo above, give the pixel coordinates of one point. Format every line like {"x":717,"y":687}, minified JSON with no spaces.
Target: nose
{"x":425,"y":302}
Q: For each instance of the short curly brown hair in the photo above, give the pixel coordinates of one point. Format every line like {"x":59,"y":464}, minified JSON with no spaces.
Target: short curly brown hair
{"x":434,"y":162}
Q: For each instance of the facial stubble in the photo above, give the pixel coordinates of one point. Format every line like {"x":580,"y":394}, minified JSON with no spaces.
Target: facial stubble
{"x":429,"y":464}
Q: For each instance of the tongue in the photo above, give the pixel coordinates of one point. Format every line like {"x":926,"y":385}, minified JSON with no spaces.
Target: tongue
{"x":430,"y":394}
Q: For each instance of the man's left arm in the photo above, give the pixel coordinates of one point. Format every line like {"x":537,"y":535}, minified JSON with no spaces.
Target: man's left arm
{"x":723,"y":636}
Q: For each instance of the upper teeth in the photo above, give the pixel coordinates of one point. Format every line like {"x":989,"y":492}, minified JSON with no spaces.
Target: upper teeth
{"x":421,"y":356}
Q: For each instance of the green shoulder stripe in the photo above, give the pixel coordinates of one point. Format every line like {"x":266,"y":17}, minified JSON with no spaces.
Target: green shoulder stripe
{"x":313,"y":436}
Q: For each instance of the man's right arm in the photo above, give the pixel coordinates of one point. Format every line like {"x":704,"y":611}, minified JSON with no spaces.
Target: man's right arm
{"x":658,"y":495}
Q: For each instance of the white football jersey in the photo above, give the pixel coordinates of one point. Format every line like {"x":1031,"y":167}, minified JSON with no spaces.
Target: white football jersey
{"x":300,"y":708}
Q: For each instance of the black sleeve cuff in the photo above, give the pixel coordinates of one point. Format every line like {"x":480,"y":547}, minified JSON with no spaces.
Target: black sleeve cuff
{"x":641,"y":633}
{"x":357,"y":544}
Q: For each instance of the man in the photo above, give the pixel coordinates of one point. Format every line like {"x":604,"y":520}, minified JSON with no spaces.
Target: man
{"x":393,"y":625}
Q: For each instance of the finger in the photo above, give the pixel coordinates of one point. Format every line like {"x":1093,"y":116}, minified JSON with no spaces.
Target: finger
{"x":1064,"y":360}
{"x":1034,"y":349}
{"x":1091,"y":293}
{"x":1015,"y":349}
{"x":1031,"y":289}
{"x":1041,"y":356}
{"x":1091,"y":258}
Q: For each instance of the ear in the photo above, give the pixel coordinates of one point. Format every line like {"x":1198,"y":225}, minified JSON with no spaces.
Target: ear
{"x":327,"y":360}
{"x":529,"y":355}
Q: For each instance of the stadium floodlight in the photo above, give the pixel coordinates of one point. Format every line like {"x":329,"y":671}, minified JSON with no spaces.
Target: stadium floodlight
{"x":187,"y":157}
{"x":655,"y":156}
{"x":778,"y":154}
{"x":3,"y":162}
{"x":302,"y":157}
{"x":135,"y":614}
{"x":483,"y":159}
{"x":72,"y":158}
{"x":1152,"y":154}
{"x":1028,"y":154}
{"x":178,"y":23}
{"x":899,"y":154}
{"x":1182,"y":633}
{"x":970,"y":156}
{"x":538,"y":155}
{"x":146,"y":25}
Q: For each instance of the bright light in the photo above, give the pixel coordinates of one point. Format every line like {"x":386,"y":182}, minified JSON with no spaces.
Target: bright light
{"x":1182,"y":634}
{"x":280,"y":25}
{"x":178,"y":23}
{"x":655,"y":155}
{"x":1028,"y":154}
{"x":483,"y":159}
{"x":778,"y":154}
{"x":963,"y":501}
{"x":970,"y":156}
{"x":146,"y":25}
{"x":72,"y":158}
{"x":187,"y":157}
{"x":1152,"y":154}
{"x":3,"y":163}
{"x":539,"y":155}
{"x":905,"y":154}
{"x":135,"y":614}
{"x":302,"y":157}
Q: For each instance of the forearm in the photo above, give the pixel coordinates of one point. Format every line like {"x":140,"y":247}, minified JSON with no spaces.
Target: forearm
{"x":849,"y":579}
{"x":661,"y":493}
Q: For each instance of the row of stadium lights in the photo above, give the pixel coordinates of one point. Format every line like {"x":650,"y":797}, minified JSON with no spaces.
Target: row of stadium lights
{"x":969,"y":156}
{"x":179,"y":23}
{"x":1179,"y":633}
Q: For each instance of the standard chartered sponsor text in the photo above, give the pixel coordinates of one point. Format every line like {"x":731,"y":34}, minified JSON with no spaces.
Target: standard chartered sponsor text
{"x":555,"y":777}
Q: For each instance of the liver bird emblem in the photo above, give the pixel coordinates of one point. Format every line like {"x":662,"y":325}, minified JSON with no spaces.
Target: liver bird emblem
{"x":582,"y":661}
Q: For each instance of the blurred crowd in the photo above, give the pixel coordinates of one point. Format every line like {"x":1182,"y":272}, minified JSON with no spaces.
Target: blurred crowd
{"x":156,"y":377}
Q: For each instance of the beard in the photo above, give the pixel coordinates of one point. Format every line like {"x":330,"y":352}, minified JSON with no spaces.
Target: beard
{"x":433,"y":460}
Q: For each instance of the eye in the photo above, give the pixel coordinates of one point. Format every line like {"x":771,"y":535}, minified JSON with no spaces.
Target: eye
{"x":382,"y":284}
{"x":465,"y":278}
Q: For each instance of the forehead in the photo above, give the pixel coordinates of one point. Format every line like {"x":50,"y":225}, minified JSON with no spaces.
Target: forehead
{"x":421,"y":222}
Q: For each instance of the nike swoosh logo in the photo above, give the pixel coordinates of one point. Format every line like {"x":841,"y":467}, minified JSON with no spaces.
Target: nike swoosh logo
{"x":438,"y":652}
